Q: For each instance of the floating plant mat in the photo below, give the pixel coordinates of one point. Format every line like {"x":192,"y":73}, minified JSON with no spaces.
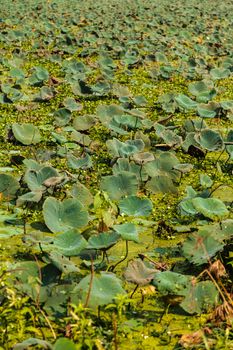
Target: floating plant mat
{"x":116,"y":174}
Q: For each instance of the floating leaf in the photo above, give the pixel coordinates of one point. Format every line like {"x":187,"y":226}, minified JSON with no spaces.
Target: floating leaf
{"x":62,"y":116}
{"x":33,"y":342}
{"x":172,"y":283}
{"x":120,"y":185}
{"x":135,"y":206}
{"x":205,"y":181}
{"x":219,"y":73}
{"x":8,"y":186}
{"x":161,"y":183}
{"x":62,"y":263}
{"x":80,"y":192}
{"x":79,"y":163}
{"x":104,"y":289}
{"x":127,"y":231}
{"x":69,"y":243}
{"x":62,"y":216}
{"x":36,"y":179}
{"x":207,"y":110}
{"x":84,"y":122}
{"x":185,"y":102}
{"x":201,"y":297}
{"x":103,"y":240}
{"x":64,"y":344}
{"x":211,"y":208}
{"x":27,"y":134}
{"x":200,"y":247}
{"x":210,"y":140}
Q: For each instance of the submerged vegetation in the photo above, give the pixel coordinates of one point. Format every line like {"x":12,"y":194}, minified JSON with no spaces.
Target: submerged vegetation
{"x":116,"y":191}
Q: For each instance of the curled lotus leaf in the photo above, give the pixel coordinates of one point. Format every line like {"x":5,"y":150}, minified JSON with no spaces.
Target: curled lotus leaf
{"x":185,"y":102}
{"x":220,"y":73}
{"x":210,"y":140}
{"x":209,"y":110}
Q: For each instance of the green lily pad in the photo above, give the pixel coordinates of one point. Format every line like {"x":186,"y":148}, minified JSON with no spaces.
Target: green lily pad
{"x":120,"y":185}
{"x":27,"y":134}
{"x":172,"y":283}
{"x":127,"y":231}
{"x":185,"y":102}
{"x":103,"y":240}
{"x":69,"y":243}
{"x":199,"y":247}
{"x":62,"y":216}
{"x":36,"y":179}
{"x":8,"y":186}
{"x":104,"y":290}
{"x":201,"y":297}
{"x":211,"y":208}
{"x":135,"y":206}
{"x":210,"y":140}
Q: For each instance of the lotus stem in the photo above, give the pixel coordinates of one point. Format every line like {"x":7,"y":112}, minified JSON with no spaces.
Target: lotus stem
{"x":112,"y":268}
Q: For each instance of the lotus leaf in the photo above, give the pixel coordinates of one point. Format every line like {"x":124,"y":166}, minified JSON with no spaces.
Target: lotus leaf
{"x":84,"y":122}
{"x":33,"y":342}
{"x":185,"y":102}
{"x":120,"y":185}
{"x":36,"y":179}
{"x":103,"y":240}
{"x":62,"y":263}
{"x":79,"y":163}
{"x":161,"y":183}
{"x":229,"y":148}
{"x":62,"y":116}
{"x":80,"y":192}
{"x":80,"y":138}
{"x":205,"y":181}
{"x":8,"y":186}
{"x":104,"y":289}
{"x":202,"y":90}
{"x":211,"y":208}
{"x":219,"y":73}
{"x":123,"y":164}
{"x":172,"y":283}
{"x":201,"y":297}
{"x":210,"y":140}
{"x":71,"y":104}
{"x":139,"y":273}
{"x":200,"y":247}
{"x":29,"y":197}
{"x":64,"y":344}
{"x":207,"y":110}
{"x":62,"y":216}
{"x":135,"y":206}
{"x":27,"y":134}
{"x":69,"y":243}
{"x":127,"y":231}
